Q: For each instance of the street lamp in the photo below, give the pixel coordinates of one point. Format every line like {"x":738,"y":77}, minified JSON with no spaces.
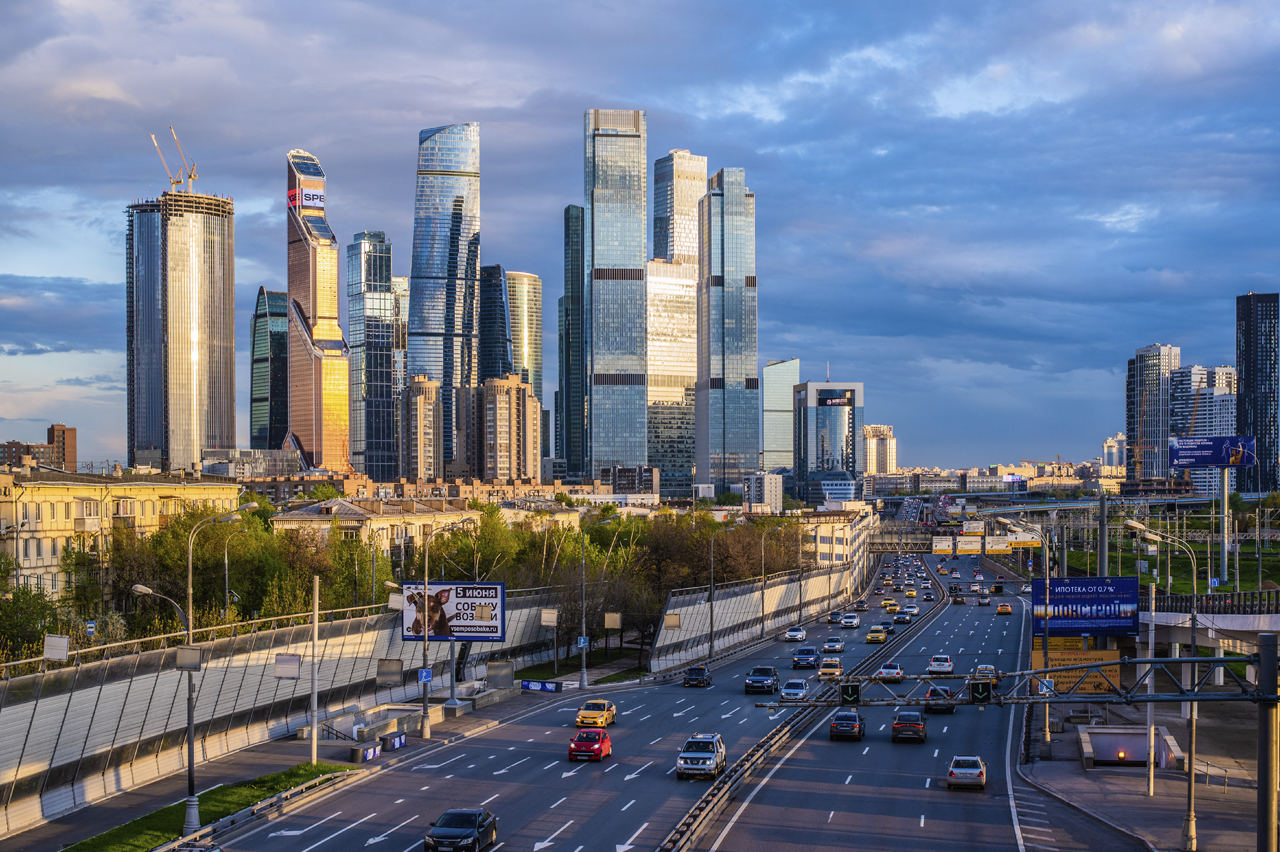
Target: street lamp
{"x":226,"y":572}
{"x":762,"y":578}
{"x":17,"y":560}
{"x":1046,"y":744}
{"x":711,"y":592}
{"x":582,"y":541}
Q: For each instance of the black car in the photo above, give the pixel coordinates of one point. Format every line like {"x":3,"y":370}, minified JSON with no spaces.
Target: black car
{"x":697,"y":676}
{"x":901,"y":618}
{"x":762,"y":679}
{"x":834,"y":617}
{"x":470,"y":829}
{"x":928,"y":596}
{"x":847,"y":723}
{"x":938,"y":693}
{"x":888,"y":626}
{"x":909,"y":724}
{"x":859,"y":606}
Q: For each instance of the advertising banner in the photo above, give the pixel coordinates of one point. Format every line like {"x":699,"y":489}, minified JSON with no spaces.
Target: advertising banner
{"x":978,"y":527}
{"x":447,"y":611}
{"x":998,"y":544}
{"x":1213,"y":451}
{"x":1086,"y":606}
{"x":306,"y":197}
{"x":1023,"y":540}
{"x":969,"y":544}
{"x":1089,"y":683}
{"x":942,"y":544}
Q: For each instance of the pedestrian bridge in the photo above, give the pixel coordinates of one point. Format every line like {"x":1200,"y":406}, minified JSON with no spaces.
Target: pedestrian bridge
{"x":1227,"y":622}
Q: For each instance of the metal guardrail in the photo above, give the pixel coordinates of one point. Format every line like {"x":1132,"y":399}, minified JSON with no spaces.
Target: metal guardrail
{"x":1227,"y":603}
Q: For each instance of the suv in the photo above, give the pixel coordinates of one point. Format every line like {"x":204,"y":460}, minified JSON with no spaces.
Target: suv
{"x":697,"y":676}
{"x":761,"y":679}
{"x":847,"y":723}
{"x":938,"y":693}
{"x":834,"y":617}
{"x":941,"y":664}
{"x":805,"y":658}
{"x":850,"y":621}
{"x":909,"y":724}
{"x":702,"y":754}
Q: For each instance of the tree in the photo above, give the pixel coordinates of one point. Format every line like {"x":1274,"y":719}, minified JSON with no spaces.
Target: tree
{"x":324,"y":491}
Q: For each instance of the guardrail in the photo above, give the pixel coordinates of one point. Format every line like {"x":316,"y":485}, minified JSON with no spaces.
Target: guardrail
{"x":1227,"y":603}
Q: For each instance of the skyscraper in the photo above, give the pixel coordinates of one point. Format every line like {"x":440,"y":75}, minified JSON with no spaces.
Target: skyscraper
{"x":1113,"y":450}
{"x":679,"y":182}
{"x":318,"y":355}
{"x":269,"y":383}
{"x":444,"y":287}
{"x":672,"y":350}
{"x":727,"y":407}
{"x":778,"y":439}
{"x":524,"y":301}
{"x":180,"y":329}
{"x":1148,"y":404}
{"x":828,"y":430}
{"x":378,"y":339}
{"x":494,"y":357}
{"x":571,"y":402}
{"x":1258,"y":398}
{"x":614,"y":254}
{"x":881,"y":449}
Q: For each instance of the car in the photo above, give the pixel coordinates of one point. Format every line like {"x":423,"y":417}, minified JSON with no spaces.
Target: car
{"x":911,"y":609}
{"x":590,"y":744}
{"x":911,"y":593}
{"x":794,"y":634}
{"x":941,"y":664}
{"x":967,"y":770}
{"x":984,"y":601}
{"x":928,"y":596}
{"x":958,"y":599}
{"x":805,"y":658}
{"x":859,"y":606}
{"x":974,"y":588}
{"x":1004,"y":609}
{"x":888,"y":602}
{"x":697,"y":676}
{"x":472,"y":829}
{"x":1026,"y":589}
{"x":893,"y":608}
{"x":888,"y":627}
{"x":897,"y":587}
{"x":1000,"y":577}
{"x":927,"y":584}
{"x":850,"y":621}
{"x":596,"y":713}
{"x":795,"y":690}
{"x":890,"y":673}
{"x":909,"y":724}
{"x":833,"y":645}
{"x":901,"y":618}
{"x":834,"y":617}
{"x":887,"y":581}
{"x":762,"y":679}
{"x":986,"y":672}
{"x":846,"y":723}
{"x":943,"y":572}
{"x":701,"y":755}
{"x":938,"y":693}
{"x":876,"y":635}
{"x":831,"y":668}
{"x":909,"y":582}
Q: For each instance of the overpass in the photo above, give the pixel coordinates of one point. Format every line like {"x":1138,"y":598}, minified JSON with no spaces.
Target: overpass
{"x":892,"y":537}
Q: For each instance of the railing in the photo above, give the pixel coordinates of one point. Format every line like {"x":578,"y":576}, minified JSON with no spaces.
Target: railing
{"x":1230,"y":603}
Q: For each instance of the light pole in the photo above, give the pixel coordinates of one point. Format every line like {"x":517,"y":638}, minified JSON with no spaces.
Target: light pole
{"x":226,"y":572}
{"x":17,"y":556}
{"x":582,"y":541}
{"x":373,"y":564}
{"x":1046,"y":744}
{"x":762,"y":578}
{"x":711,"y":594}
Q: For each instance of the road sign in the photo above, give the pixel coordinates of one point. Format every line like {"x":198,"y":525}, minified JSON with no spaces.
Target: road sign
{"x":1046,"y":686}
{"x":91,"y":627}
{"x":1213,"y":582}
{"x":582,"y":642}
{"x":424,"y":675}
{"x":980,"y":691}
{"x":850,"y":694}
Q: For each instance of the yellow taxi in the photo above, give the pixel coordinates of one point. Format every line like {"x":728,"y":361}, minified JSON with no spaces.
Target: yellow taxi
{"x":911,"y":593}
{"x":893,"y":607}
{"x":888,"y":602}
{"x":1004,"y":609}
{"x":876,"y":635}
{"x":943,"y":571}
{"x":596,"y":714}
{"x":831,"y":667}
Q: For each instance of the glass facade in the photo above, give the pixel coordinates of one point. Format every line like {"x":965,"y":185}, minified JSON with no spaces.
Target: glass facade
{"x":378,"y":328}
{"x":672,"y":328}
{"x":828,"y":421}
{"x":679,"y":182}
{"x":524,"y":299}
{"x":444,"y":304}
{"x":727,"y":399}
{"x":319,"y":378}
{"x":1148,"y":405}
{"x":778,"y":436}
{"x":1258,"y":396}
{"x":495,"y":325}
{"x":269,"y":387}
{"x":180,"y":329}
{"x":614,"y":250}
{"x":571,"y":404}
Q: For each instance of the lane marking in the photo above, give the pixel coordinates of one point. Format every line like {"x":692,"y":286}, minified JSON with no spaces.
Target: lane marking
{"x":642,"y":718}
{"x":490,"y":799}
{"x":742,"y":722}
{"x":882,"y":728}
{"x":624,"y":847}
{"x":628,"y":804}
{"x":545,"y":843}
{"x":296,"y":831}
{"x":935,"y":752}
{"x":428,"y":787}
{"x":658,"y":740}
{"x":864,"y":751}
{"x":548,"y":766}
{"x":398,"y":801}
{"x":830,"y":815}
{"x":557,"y":803}
{"x":611,"y":768}
{"x":638,"y":771}
{"x":574,"y":772}
{"x":385,"y":834}
{"x":926,"y":783}
{"x":512,"y":766}
{"x":847,"y":780}
{"x":669,"y":771}
{"x":1033,"y":819}
{"x":922,"y":820}
{"x":339,"y":831}
{"x":438,"y":765}
{"x":944,"y":728}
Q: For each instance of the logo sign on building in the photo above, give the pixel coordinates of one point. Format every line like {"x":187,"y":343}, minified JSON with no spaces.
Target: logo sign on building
{"x":998,"y":544}
{"x":969,"y":544}
{"x":978,"y":527}
{"x":305,"y":197}
{"x":844,"y":400}
{"x":1227,"y":451}
{"x":474,"y":612}
{"x":942,"y":544}
{"x":1087,"y":606}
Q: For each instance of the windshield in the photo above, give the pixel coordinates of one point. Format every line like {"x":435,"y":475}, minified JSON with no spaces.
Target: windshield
{"x":966,"y":763}
{"x":908,"y":717}
{"x":846,"y":717}
{"x":589,"y":737}
{"x":457,"y":821}
{"x":758,"y":672}
{"x":699,"y":672}
{"x":593,"y":705}
{"x":794,"y":684}
{"x":700,"y":746}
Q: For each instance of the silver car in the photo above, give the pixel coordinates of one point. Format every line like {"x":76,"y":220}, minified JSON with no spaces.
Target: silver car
{"x":850,"y":621}
{"x":967,"y":770}
{"x":795,"y":690}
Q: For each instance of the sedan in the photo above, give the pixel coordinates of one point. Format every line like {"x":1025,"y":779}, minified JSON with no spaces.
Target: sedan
{"x":463,"y":828}
{"x":794,"y":634}
{"x":941,"y":664}
{"x":901,"y":618}
{"x":984,"y":601}
{"x":850,"y":621}
{"x":911,"y":593}
{"x":1026,"y":588}
{"x":928,"y":597}
{"x":909,"y":724}
{"x":846,"y":723}
{"x":890,"y":673}
{"x":831,"y":668}
{"x":911,"y":609}
{"x":833,"y":645}
{"x":939,"y":693}
{"x":859,"y":606}
{"x":887,"y":627}
{"x":1004,"y":609}
{"x":590,"y":744}
{"x":834,"y":617}
{"x":876,"y":635}
{"x":967,"y":771}
{"x":795,"y":690}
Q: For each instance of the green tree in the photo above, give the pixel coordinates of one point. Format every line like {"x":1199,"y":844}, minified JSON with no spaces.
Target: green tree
{"x":324,"y":491}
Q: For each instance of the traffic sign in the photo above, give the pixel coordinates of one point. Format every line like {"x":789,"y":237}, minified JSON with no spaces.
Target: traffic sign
{"x":1046,"y":686}
{"x":542,"y":685}
{"x":1213,"y":582}
{"x":850,"y":694}
{"x":582,"y":642}
{"x":980,"y":691}
{"x":424,"y":675}
{"x":90,"y":627}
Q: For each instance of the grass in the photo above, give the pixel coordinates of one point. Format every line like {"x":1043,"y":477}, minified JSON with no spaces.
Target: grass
{"x":160,"y":827}
{"x":624,"y":675}
{"x":545,"y":671}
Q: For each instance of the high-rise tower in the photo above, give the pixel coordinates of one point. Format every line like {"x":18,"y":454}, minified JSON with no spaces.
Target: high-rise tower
{"x":378,"y":343}
{"x":1258,"y":397}
{"x":571,"y":398}
{"x":269,"y":383}
{"x":318,"y":354}
{"x":1148,"y":405}
{"x":524,"y":300}
{"x":494,"y":359}
{"x":778,"y":421}
{"x":679,"y":182}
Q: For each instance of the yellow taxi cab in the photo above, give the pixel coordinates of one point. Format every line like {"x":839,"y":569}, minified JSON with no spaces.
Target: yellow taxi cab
{"x":893,"y":607}
{"x":1004,"y":609}
{"x":943,"y":571}
{"x":875,"y":635}
{"x":831,"y":667}
{"x":596,"y":714}
{"x":888,"y":602}
{"x":911,"y":593}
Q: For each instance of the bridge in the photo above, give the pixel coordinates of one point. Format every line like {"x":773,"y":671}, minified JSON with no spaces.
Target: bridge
{"x":892,"y":537}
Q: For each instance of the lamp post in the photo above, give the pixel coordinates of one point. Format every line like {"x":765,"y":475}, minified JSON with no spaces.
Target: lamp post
{"x":762,"y":578}
{"x":711,"y":593}
{"x":17,"y":556}
{"x":1046,"y":743}
{"x":226,"y":572}
{"x":582,"y":542}
{"x":373,"y":564}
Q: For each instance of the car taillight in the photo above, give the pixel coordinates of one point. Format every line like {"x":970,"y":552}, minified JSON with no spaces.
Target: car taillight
{"x":981,"y":774}
{"x":952,"y":773}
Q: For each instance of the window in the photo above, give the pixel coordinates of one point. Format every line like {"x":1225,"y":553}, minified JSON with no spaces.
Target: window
{"x":91,"y":508}
{"x":53,"y":548}
{"x":26,"y":547}
{"x":40,"y":582}
{"x":38,"y":505}
{"x":26,"y":511}
{"x":39,"y":548}
{"x":67,"y":517}
{"x":53,"y":582}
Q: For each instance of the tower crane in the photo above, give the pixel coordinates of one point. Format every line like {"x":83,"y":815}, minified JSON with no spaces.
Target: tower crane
{"x":174,"y":182}
{"x":192,"y":177}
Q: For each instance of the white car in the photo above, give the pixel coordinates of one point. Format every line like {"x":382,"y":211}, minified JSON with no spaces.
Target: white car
{"x":850,"y":621}
{"x":890,"y":672}
{"x":795,"y":690}
{"x":794,"y":634}
{"x":911,"y":609}
{"x":941,"y":664}
{"x":1026,"y":588}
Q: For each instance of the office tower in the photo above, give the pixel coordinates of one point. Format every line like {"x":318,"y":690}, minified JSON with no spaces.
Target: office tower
{"x":63,"y":440}
{"x":614,"y":253}
{"x":672,"y":347}
{"x":378,"y":325}
{"x":1258,"y":397}
{"x":444,"y":287}
{"x":679,"y":182}
{"x":180,"y":329}
{"x":424,"y":428}
{"x":495,"y":325}
{"x":319,"y":414}
{"x":778,"y":436}
{"x":507,"y":419}
{"x":828,"y":429}
{"x":546,"y":433}
{"x":524,"y":300}
{"x":1113,"y":450}
{"x":1147,"y":409}
{"x":571,"y":404}
{"x":269,"y":362}
{"x":727,"y":400}
{"x":881,"y":449}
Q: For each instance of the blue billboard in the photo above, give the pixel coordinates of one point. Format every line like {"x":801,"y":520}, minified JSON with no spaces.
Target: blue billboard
{"x":1213,"y":451}
{"x":1086,"y":606}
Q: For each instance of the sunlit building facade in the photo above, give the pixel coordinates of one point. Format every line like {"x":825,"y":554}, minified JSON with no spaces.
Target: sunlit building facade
{"x":269,"y":385}
{"x":524,"y":300}
{"x":828,"y":433}
{"x":1148,"y":406}
{"x":777,"y":440}
{"x":881,"y":449}
{"x":679,"y":182}
{"x":672,"y":345}
{"x":378,"y":324}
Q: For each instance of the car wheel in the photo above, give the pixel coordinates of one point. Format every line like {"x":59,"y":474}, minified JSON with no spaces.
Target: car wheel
{"x":679,"y":776}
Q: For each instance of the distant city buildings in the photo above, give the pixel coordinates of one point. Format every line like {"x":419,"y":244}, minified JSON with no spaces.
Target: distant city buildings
{"x":1147,"y":410}
{"x":828,"y":435}
{"x":881,"y":449}
{"x":59,"y":450}
{"x":502,"y":429}
{"x":524,"y":306}
{"x":1258,"y":396}
{"x":777,"y":442}
{"x":672,"y":350}
{"x":269,"y":371}
{"x":762,"y":492}
{"x":1113,"y":450}
{"x":494,"y":359}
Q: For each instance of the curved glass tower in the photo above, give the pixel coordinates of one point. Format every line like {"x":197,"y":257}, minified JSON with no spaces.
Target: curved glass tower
{"x":444,"y":283}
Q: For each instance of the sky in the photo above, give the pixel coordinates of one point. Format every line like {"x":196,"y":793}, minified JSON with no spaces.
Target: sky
{"x":978,"y":209}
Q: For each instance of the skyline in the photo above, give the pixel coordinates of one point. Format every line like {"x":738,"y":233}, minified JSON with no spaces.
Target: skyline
{"x":980,"y":213}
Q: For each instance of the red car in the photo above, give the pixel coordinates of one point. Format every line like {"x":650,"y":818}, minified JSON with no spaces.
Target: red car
{"x":591,"y":744}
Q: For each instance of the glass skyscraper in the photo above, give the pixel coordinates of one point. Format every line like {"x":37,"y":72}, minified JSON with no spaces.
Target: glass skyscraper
{"x":727,"y":400}
{"x":319,"y":381}
{"x":672,"y":330}
{"x":495,"y":325}
{"x":524,"y":300}
{"x":828,"y":420}
{"x":444,"y":286}
{"x":1148,"y":405}
{"x":180,"y":329}
{"x":679,"y":182}
{"x":571,"y":399}
{"x":378,"y":328}
{"x":1258,"y":394}
{"x":269,"y":385}
{"x":614,"y":253}
{"x":778,"y":438}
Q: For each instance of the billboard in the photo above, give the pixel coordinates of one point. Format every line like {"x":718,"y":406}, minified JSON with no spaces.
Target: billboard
{"x":998,"y":544}
{"x":942,"y":544}
{"x":306,"y":197}
{"x":475,"y":612}
{"x":1087,"y":606}
{"x":1218,"y":451}
{"x":1085,"y":682}
{"x":969,"y":544}
{"x":1023,"y":540}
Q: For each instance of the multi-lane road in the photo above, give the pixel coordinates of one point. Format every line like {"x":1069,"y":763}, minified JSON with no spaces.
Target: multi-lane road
{"x":820,"y":794}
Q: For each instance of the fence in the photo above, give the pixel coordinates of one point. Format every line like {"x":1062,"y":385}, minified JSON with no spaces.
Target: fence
{"x":1231,"y":603}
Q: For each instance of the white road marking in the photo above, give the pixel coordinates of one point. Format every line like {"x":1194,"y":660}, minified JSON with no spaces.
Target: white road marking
{"x":438,"y":765}
{"x":926,"y":783}
{"x":448,"y":776}
{"x":428,"y":787}
{"x":847,"y":780}
{"x":398,"y":801}
{"x":545,"y":843}
{"x":557,"y":803}
{"x":632,"y":710}
{"x":512,"y":766}
{"x":882,"y":727}
{"x":574,"y":772}
{"x":944,"y":728}
{"x":642,"y":718}
{"x":529,"y":741}
{"x":1039,"y":846}
{"x":1037,"y":828}
{"x":722,"y":703}
{"x":624,"y":847}
{"x":658,"y":740}
{"x":742,"y":722}
{"x":638,"y":771}
{"x":867,"y":749}
{"x":611,"y":768}
{"x":830,"y":815}
{"x":339,"y":831}
{"x":935,"y":752}
{"x":385,"y":834}
{"x":628,"y":804}
{"x":1033,"y":819}
{"x":296,"y":831}
{"x":471,"y":766}
{"x":490,"y":799}
{"x":548,"y":766}
{"x":922,"y":820}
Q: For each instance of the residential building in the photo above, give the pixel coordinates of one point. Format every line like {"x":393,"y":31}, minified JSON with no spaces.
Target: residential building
{"x":502,"y":429}
{"x":641,"y":479}
{"x":424,"y":444}
{"x":671,"y":326}
{"x":1202,"y":402}
{"x":1113,"y":450}
{"x":828,"y":429}
{"x":727,"y":399}
{"x":444,"y":285}
{"x":269,"y":371}
{"x":614,"y":254}
{"x":881,"y":449}
{"x":180,"y":329}
{"x":1258,"y":398}
{"x":494,"y":358}
{"x":319,"y":378}
{"x":59,"y":451}
{"x":571,"y":398}
{"x":762,"y":493}
{"x":679,"y":182}
{"x":247,"y":464}
{"x":1147,"y":410}
{"x":524,"y":301}
{"x":778,"y":438}
{"x":379,"y":341}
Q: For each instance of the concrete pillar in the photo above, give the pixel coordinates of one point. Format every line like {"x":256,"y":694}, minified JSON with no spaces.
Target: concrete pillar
{"x":1175,"y":650}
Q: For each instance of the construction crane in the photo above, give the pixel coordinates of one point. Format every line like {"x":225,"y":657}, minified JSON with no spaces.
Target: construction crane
{"x":192,"y":177}
{"x":1191,"y":428}
{"x":186,"y":173}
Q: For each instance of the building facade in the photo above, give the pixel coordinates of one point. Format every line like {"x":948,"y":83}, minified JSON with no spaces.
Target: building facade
{"x":379,"y":341}
{"x":444,"y":287}
{"x":679,"y":182}
{"x":269,"y":362}
{"x":180,"y":329}
{"x":495,"y":325}
{"x":777,"y":437}
{"x":881,"y":449}
{"x":59,"y":450}
{"x":671,"y":291}
{"x":424,"y":430}
{"x":1148,"y":406}
{"x":319,"y":378}
{"x":1258,"y":398}
{"x":828,"y":420}
{"x":571,"y":398}
{"x":524,"y":302}
{"x":506,"y":418}
{"x":1113,"y":450}
{"x":727,"y":398}
{"x":762,"y":492}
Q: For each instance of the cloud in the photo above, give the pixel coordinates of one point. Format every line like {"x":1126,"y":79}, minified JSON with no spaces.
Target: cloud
{"x":59,"y":315}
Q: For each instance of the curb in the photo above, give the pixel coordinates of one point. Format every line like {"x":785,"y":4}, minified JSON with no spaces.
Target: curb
{"x":1049,"y":791}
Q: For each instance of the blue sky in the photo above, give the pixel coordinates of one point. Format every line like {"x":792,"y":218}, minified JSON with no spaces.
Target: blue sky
{"x":979,"y":210}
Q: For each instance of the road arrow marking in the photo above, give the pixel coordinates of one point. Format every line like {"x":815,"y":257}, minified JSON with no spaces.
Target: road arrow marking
{"x":574,"y":772}
{"x":638,"y":771}
{"x":626,"y":847}
{"x":730,"y":713}
{"x":632,"y":710}
{"x":383,"y":836}
{"x":339,"y":831}
{"x":296,"y":832}
{"x":438,"y":765}
{"x":682,"y":712}
{"x":545,"y":843}
{"x":512,"y":766}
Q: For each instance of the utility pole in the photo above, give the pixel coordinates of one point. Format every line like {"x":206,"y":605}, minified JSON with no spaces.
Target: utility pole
{"x":1102,"y":534}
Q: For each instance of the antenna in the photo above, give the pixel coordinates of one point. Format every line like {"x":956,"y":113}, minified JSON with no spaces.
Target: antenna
{"x":192,"y":177}
{"x":173,"y":182}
